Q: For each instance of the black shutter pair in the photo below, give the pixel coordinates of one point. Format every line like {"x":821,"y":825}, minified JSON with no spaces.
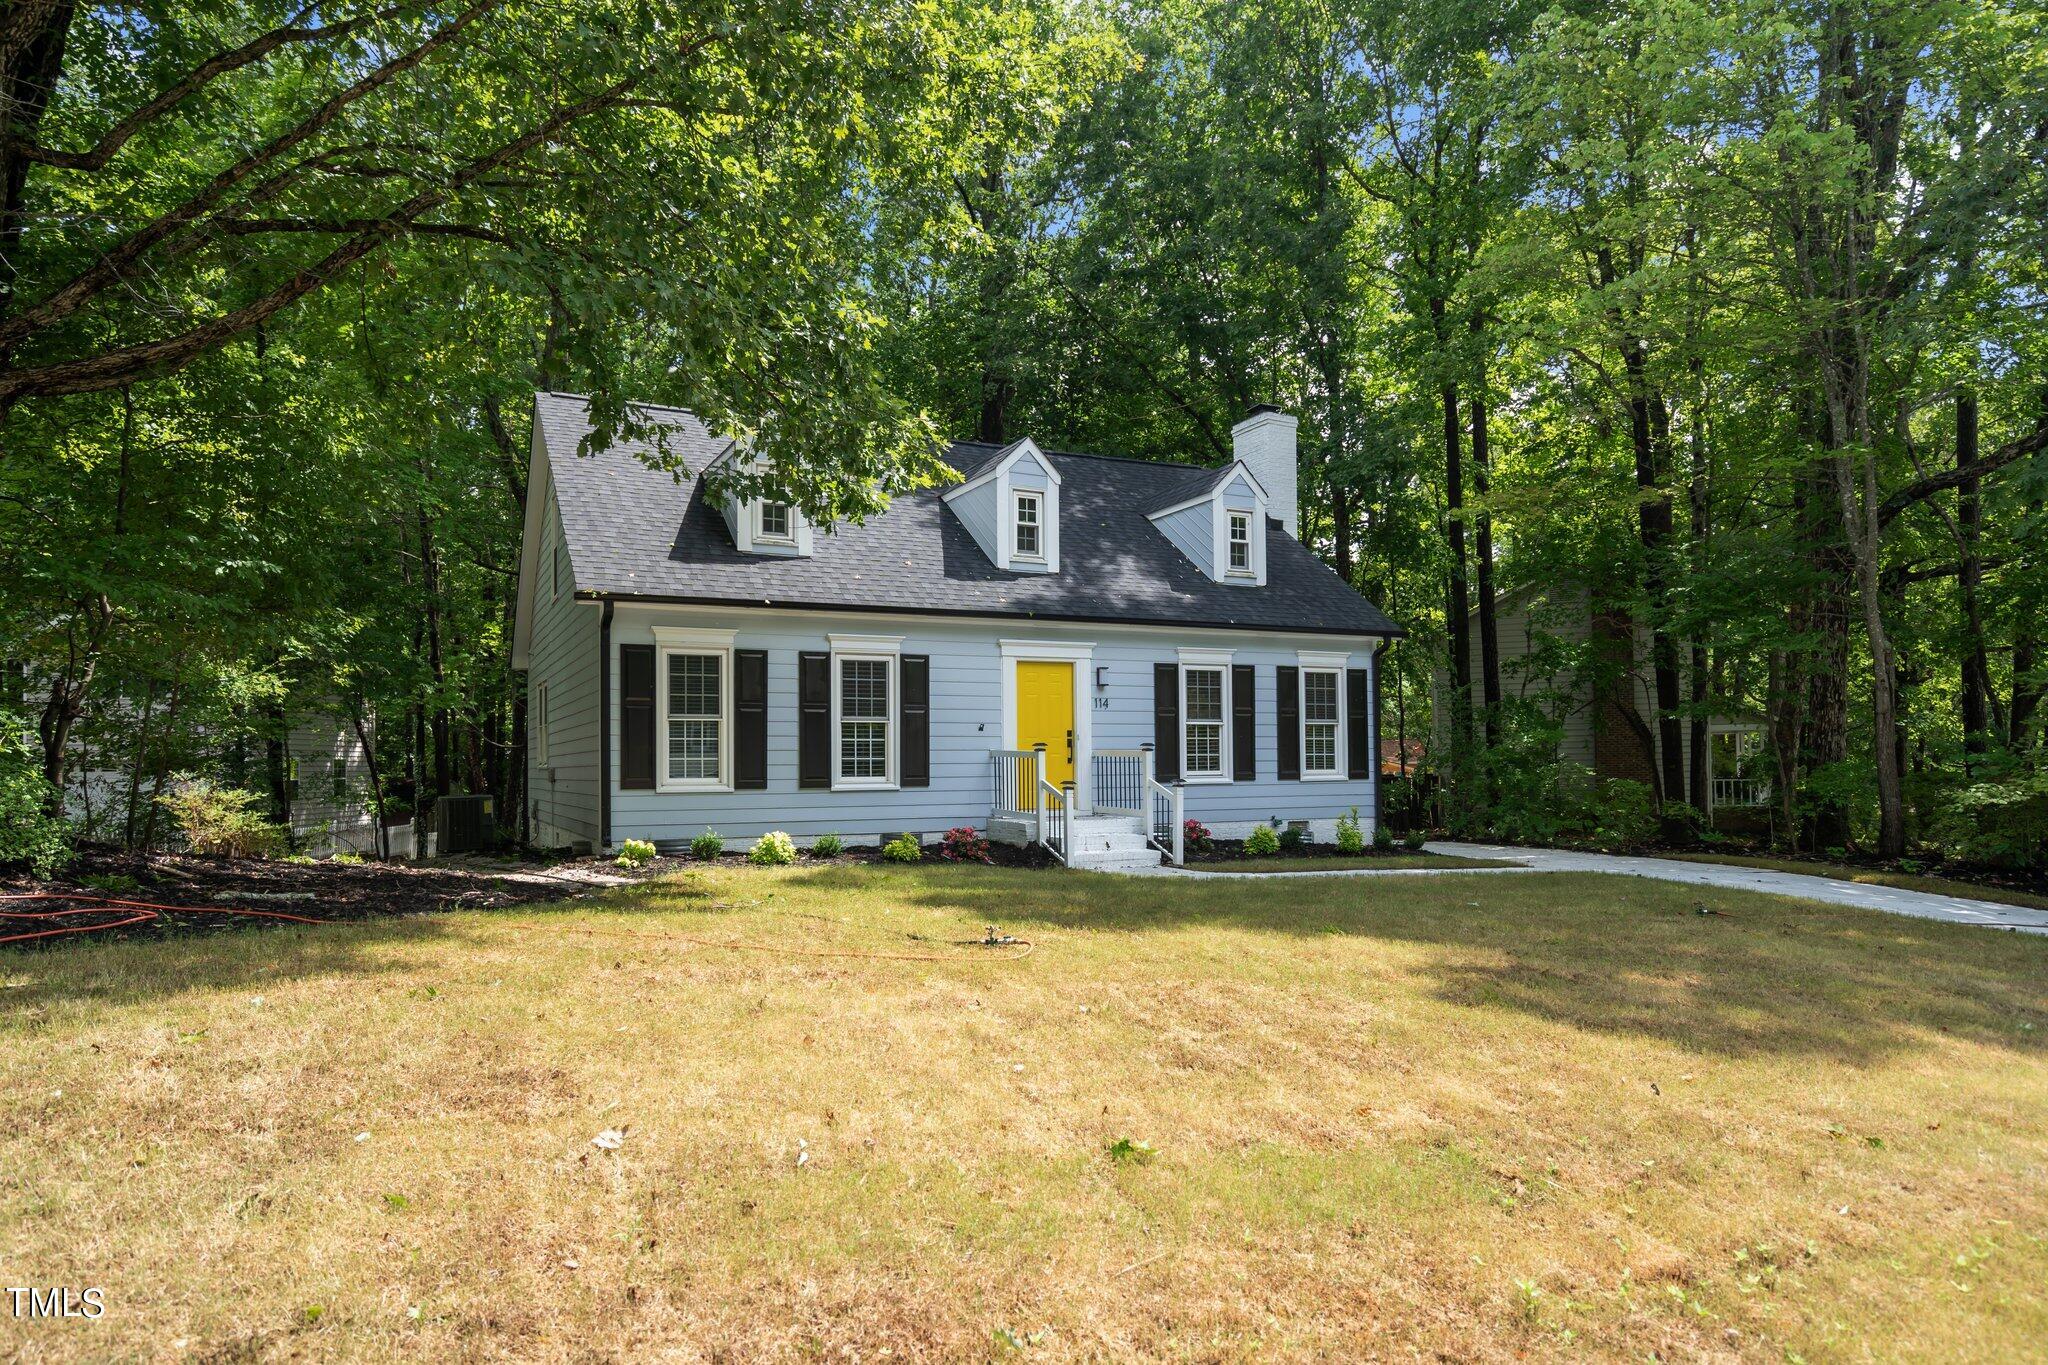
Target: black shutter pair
{"x":1166,"y":722}
{"x":636,"y":718}
{"x":814,"y":719}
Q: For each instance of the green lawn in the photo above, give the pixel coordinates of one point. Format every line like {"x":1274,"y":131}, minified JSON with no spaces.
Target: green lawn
{"x":1335,"y":862}
{"x":1455,"y":1118}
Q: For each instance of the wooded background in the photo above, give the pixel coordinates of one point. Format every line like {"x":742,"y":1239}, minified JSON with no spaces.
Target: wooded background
{"x":1730,"y":312}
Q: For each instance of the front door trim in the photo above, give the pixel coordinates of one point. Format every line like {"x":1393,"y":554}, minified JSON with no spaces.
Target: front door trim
{"x":1079,"y":653}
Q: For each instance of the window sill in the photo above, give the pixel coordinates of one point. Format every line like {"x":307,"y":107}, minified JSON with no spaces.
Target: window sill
{"x":1206,"y":779}
{"x":695,"y":788}
{"x":1324,"y":777}
{"x":860,"y":785}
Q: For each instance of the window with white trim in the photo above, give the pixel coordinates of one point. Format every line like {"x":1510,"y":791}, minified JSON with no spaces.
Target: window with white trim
{"x":695,"y":718}
{"x":1203,"y":712}
{"x":864,"y":687}
{"x":1320,"y":716}
{"x":540,"y":725}
{"x":777,"y":522}
{"x":1030,"y":543}
{"x":1240,"y":542}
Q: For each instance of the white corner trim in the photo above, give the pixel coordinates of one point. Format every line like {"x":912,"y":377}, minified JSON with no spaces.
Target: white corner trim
{"x":865,"y":644}
{"x":692,"y":637}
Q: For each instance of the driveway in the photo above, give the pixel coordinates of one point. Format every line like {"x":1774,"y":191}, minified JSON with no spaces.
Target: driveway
{"x":1891,"y":899}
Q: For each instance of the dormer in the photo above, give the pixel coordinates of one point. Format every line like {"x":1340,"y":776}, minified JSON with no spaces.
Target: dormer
{"x":763,"y":524}
{"x":1221,"y":526}
{"x":1010,"y":504}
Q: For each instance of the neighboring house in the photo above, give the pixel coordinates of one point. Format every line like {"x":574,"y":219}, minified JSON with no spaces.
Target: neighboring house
{"x":1590,"y":672}
{"x":327,"y":785}
{"x":694,"y":662}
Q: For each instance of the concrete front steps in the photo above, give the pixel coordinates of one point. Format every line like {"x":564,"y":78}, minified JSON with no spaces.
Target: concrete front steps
{"x":1109,"y":843}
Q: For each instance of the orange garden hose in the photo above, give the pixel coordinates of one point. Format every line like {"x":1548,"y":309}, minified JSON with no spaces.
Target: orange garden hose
{"x":132,"y":912}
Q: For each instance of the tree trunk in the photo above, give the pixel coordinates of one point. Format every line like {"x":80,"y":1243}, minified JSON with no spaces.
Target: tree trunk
{"x":29,"y":71}
{"x":1489,"y":634}
{"x":1821,"y":615}
{"x":1976,"y":667}
{"x":1458,"y":607}
{"x":430,"y":590}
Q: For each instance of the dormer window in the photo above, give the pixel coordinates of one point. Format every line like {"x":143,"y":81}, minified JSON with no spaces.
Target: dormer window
{"x":1029,"y":524}
{"x":1240,"y":542}
{"x":775,"y":522}
{"x":1010,"y":503}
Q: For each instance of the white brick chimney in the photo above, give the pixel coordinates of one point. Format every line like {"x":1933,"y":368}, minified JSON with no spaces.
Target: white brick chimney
{"x":1265,"y":442}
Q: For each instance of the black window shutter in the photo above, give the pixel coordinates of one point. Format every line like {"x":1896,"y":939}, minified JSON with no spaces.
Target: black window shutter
{"x":1358,"y":721}
{"x":914,"y":673}
{"x":750,"y":719}
{"x":814,"y":720}
{"x":1166,"y":721}
{"x":1287,"y":684}
{"x":1244,"y":732}
{"x":636,"y":717}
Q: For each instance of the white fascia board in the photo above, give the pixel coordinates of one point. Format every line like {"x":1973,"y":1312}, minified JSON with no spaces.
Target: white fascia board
{"x":538,"y":476}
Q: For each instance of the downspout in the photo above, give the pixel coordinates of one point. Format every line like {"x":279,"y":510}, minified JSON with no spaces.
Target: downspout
{"x":604,"y":730}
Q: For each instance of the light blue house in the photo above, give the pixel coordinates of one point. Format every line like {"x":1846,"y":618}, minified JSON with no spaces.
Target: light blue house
{"x":1077,"y":650}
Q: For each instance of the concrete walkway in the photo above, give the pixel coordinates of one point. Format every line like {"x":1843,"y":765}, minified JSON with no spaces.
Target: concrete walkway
{"x":1893,"y":900}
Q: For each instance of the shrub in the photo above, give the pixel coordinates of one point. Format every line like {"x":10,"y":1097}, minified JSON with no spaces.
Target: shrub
{"x":828,"y":846}
{"x":2002,"y":823}
{"x":1261,"y":841}
{"x":1293,"y":836}
{"x":29,"y":835}
{"x":344,"y":857}
{"x":773,"y":849}
{"x":1623,"y":814}
{"x":709,"y":844}
{"x":904,"y":848}
{"x":220,"y":820}
{"x":635,"y":853}
{"x":1382,"y":836}
{"x":1195,"y":837}
{"x":1414,"y":839}
{"x":1350,"y":838}
{"x":964,"y":844}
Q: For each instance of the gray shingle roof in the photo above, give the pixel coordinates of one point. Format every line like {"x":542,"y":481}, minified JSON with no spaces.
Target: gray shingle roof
{"x":635,"y":532}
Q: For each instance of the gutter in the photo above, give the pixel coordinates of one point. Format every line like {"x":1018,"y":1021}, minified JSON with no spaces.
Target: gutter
{"x":1392,"y":632}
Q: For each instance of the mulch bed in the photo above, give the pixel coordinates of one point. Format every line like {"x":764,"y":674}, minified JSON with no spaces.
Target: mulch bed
{"x":339,"y":892}
{"x":1232,"y":851}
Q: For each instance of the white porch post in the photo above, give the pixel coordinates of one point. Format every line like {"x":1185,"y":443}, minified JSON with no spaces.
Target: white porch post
{"x":1038,"y":788}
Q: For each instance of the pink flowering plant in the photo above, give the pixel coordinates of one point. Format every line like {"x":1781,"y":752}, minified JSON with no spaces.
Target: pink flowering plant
{"x":1194,"y":836}
{"x":964,"y":844}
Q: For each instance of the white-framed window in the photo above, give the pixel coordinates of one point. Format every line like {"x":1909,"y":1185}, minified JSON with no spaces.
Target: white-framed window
{"x":1205,"y":720}
{"x":1240,"y":542}
{"x":777,"y":523}
{"x":693,"y":748}
{"x":1030,"y":541}
{"x":864,"y":712}
{"x":539,"y":721}
{"x":1322,"y":720}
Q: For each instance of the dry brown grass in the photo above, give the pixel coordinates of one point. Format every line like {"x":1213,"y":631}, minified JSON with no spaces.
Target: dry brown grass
{"x":1466,"y":1117}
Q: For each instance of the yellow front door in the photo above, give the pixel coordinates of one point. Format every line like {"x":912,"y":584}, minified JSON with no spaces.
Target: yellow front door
{"x":1045,"y":715}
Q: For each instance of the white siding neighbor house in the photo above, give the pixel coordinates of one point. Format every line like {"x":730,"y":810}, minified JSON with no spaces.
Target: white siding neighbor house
{"x":1076,"y":650}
